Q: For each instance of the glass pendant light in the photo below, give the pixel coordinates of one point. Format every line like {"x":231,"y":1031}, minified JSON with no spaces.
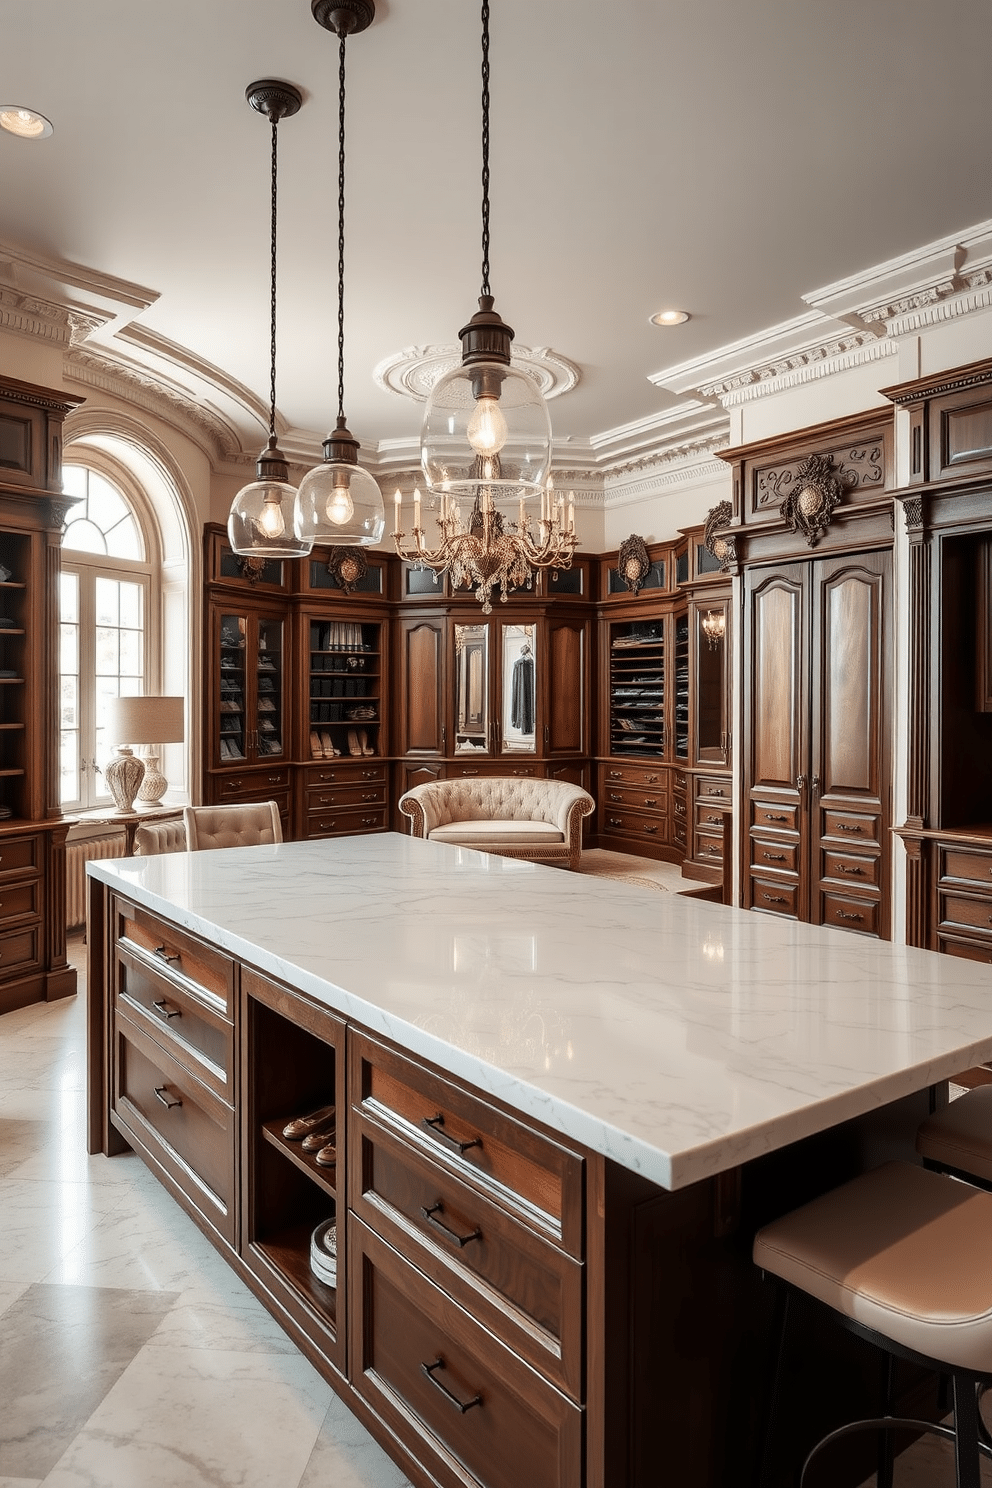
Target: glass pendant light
{"x":486,"y":433}
{"x":338,"y":502}
{"x":261,"y":521}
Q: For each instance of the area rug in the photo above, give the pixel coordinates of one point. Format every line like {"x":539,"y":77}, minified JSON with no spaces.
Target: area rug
{"x":623,"y":867}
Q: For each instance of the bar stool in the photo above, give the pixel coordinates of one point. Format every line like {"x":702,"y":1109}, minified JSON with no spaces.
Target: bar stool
{"x":959,"y":1137}
{"x":901,"y":1255}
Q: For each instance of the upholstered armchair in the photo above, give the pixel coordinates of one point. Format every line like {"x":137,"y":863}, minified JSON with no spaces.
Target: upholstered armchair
{"x":235,"y":824}
{"x":512,"y":816}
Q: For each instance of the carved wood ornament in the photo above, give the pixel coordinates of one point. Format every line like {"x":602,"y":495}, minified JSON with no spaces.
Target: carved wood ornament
{"x":633,"y":562}
{"x":348,"y":566}
{"x":810,"y":505}
{"x":251,"y":568}
{"x":722,"y":545}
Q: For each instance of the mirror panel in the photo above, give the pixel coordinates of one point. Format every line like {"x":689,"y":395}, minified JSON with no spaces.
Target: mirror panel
{"x":471,"y":689}
{"x":519,"y":721}
{"x":711,"y":690}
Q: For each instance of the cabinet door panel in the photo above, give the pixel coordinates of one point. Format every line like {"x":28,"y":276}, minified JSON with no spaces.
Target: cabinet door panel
{"x":847,"y":705}
{"x":566,"y":694}
{"x":423,"y":690}
{"x":776,"y":614}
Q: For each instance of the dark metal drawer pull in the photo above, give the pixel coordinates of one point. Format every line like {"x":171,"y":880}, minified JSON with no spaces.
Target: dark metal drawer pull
{"x":166,"y":1011}
{"x":651,"y":800}
{"x":716,"y":792}
{"x":459,"y":1240}
{"x":845,"y":869}
{"x":460,"y":1405}
{"x":770,"y":816}
{"x":774,"y":857}
{"x":162,"y":1095}
{"x":165,"y":955}
{"x":615,"y":821}
{"x":436,"y":1125}
{"x":716,"y":819}
{"x":774,"y":899}
{"x":845,"y":828}
{"x":843,"y":915}
{"x":649,"y":829}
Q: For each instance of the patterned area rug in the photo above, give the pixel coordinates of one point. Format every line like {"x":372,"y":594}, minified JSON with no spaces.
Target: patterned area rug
{"x":623,"y":867}
{"x":631,"y":878}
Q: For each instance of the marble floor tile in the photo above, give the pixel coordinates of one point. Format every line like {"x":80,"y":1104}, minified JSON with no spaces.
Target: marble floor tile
{"x":20,"y":1482}
{"x":346,"y":1456}
{"x":45,"y":1222}
{"x":61,"y":1349}
{"x":239,"y":1324}
{"x":191,"y":1418}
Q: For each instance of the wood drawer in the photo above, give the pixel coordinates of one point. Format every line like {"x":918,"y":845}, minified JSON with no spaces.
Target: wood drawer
{"x":195,"y":1032}
{"x":185,"y":962}
{"x":322,"y":798}
{"x":518,"y":1168}
{"x":20,"y":951}
{"x":959,"y":865}
{"x":20,"y":856}
{"x":848,"y":913}
{"x":849,"y":868}
{"x":179,"y":1121}
{"x":708,"y":847}
{"x":464,"y":1406}
{"x":348,"y":823}
{"x":959,"y":912}
{"x":709,"y":816}
{"x":641,"y":775}
{"x":967,"y":950}
{"x":636,"y":798}
{"x":680,"y":835}
{"x":845,"y":826}
{"x":775,"y":898}
{"x":20,"y":901}
{"x":710,"y":789}
{"x":346,"y":775}
{"x":778,"y":857}
{"x":634,"y":824}
{"x":777,"y":816}
{"x":495,"y":768}
{"x":263,"y":785}
{"x":518,"y":1285}
{"x":680,"y":781}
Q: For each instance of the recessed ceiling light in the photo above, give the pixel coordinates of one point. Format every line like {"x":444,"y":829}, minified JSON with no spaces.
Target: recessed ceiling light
{"x":670,"y":317}
{"x":24,"y":122}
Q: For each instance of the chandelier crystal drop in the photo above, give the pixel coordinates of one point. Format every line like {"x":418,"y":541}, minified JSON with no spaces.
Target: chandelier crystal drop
{"x":338,"y":502}
{"x":261,"y":521}
{"x":486,"y":452}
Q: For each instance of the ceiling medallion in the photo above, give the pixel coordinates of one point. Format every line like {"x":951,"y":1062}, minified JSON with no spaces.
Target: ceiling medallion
{"x":816,"y":494}
{"x":414,"y":371}
{"x":633,"y":562}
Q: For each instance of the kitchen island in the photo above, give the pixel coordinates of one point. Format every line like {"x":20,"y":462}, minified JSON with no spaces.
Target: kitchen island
{"x":562,"y":1107}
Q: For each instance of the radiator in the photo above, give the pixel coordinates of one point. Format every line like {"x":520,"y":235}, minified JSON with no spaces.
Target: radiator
{"x":77,"y":855}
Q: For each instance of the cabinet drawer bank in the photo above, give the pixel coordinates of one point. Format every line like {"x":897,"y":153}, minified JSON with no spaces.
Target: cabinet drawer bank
{"x":518,"y":1300}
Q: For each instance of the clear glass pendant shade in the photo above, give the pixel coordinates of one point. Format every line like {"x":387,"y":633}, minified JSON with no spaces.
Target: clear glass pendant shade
{"x":261,"y":524}
{"x":486,"y":424}
{"x":341,"y":504}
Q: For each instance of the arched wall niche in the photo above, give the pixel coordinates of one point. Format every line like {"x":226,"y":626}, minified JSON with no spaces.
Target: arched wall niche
{"x":125,"y":450}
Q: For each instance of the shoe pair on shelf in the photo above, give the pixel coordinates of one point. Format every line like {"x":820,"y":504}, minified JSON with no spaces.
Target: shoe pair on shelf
{"x":316,"y":1133}
{"x":358,"y":742}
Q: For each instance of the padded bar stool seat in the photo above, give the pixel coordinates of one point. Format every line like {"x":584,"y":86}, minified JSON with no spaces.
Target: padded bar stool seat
{"x":960,"y":1136}
{"x":902,"y":1255}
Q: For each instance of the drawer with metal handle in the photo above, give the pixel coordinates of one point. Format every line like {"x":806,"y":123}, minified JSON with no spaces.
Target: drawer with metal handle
{"x":774,"y":898}
{"x":958,"y":911}
{"x":960,"y":865}
{"x":193,"y":1031}
{"x":450,"y":1390}
{"x":635,"y":824}
{"x":179,"y":957}
{"x":513,"y":1164}
{"x":850,"y":914}
{"x":349,"y":823}
{"x":776,"y":857}
{"x":856,"y":871}
{"x":20,"y":856}
{"x":520,"y":1286}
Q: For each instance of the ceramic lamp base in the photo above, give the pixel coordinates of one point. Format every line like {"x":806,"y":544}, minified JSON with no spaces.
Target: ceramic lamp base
{"x":124,"y":773}
{"x":154,"y":785}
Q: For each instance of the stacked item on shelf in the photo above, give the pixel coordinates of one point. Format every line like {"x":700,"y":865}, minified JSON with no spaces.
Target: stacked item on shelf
{"x":324,"y":1253}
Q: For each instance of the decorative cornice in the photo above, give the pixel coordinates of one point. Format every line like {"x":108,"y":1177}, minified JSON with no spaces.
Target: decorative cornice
{"x":674,"y":453}
{"x":414,"y":371}
{"x":658,"y":482}
{"x":820,"y":359}
{"x":975,"y":374}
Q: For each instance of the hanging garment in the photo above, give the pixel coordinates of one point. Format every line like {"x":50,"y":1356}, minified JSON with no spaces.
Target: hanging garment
{"x":522,"y":710}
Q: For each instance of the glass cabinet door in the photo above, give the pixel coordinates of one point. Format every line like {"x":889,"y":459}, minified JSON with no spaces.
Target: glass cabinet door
{"x":268,"y":720}
{"x":711,"y":699}
{"x":471,"y":689}
{"x":233,"y":730}
{"x":518,"y":677}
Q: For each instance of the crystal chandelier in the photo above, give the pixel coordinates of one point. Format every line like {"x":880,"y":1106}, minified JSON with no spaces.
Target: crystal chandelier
{"x":714,"y":624}
{"x":338,"y":502}
{"x":486,"y":451}
{"x":260,"y":524}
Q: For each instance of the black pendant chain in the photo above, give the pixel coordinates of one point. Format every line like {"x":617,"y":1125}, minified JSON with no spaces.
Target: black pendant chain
{"x":341,"y":226}
{"x":272,"y":280}
{"x":485,"y":147}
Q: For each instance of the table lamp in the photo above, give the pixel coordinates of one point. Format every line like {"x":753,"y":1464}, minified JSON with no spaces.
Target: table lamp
{"x":141,"y":720}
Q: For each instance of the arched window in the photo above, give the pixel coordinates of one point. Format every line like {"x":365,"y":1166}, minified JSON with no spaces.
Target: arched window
{"x":106,"y":609}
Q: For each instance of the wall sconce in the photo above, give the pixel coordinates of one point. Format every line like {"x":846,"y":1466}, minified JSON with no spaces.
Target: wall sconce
{"x":714,"y":624}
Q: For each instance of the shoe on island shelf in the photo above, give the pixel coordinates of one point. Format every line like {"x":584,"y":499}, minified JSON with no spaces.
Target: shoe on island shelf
{"x":301,"y":1126}
{"x":321,"y":1136}
{"x":327,"y":1156}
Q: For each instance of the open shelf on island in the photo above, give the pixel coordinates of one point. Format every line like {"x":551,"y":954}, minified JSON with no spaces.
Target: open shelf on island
{"x":305,"y":1161}
{"x":288,"y":1253}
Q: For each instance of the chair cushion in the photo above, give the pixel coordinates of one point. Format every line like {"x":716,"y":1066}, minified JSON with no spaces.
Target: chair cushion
{"x":960,"y":1136}
{"x":485,"y":833}
{"x":901,"y":1250}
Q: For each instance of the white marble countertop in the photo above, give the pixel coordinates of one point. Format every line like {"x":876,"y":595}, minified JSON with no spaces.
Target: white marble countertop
{"x":676,"y":1036}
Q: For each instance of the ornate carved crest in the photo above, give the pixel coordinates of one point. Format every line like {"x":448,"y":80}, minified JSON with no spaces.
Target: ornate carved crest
{"x":633,"y":562}
{"x":348,"y":566}
{"x":722,"y":545}
{"x":811,"y":503}
{"x":251,"y":568}
{"x":913,"y":509}
{"x":58,"y":511}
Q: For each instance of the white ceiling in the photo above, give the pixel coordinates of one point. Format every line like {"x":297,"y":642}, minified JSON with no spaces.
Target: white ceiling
{"x":721,"y":156}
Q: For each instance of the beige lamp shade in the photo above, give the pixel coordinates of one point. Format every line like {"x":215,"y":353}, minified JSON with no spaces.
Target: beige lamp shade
{"x":141,"y":720}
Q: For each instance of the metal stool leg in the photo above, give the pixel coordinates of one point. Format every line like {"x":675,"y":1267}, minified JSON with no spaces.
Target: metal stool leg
{"x":966,"y":1458}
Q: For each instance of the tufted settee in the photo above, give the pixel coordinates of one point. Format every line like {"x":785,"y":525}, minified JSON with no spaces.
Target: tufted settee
{"x":512,"y":816}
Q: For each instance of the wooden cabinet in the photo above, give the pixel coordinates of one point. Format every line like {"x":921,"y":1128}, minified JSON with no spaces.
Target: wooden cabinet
{"x":817,"y":727}
{"x":346,"y":672}
{"x":710,"y":632}
{"x":344,"y":798}
{"x":947,"y":506}
{"x":33,"y":965}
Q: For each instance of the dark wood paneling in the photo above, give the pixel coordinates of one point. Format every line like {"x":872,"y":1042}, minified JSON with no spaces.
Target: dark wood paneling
{"x":567,"y":705}
{"x":420,"y":714}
